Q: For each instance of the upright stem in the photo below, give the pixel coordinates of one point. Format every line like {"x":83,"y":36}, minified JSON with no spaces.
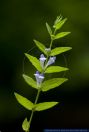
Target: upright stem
{"x":33,"y":110}
{"x":51,"y":43}
{"x":39,"y":90}
{"x":52,"y":39}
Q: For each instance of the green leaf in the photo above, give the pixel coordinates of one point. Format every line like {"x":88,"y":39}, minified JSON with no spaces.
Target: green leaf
{"x":24,"y":101}
{"x":58,"y":19}
{"x":25,"y":125}
{"x":40,"y":46}
{"x":59,"y":50}
{"x":45,"y":105}
{"x":61,"y":35}
{"x":53,"y":69}
{"x":30,"y":81}
{"x":49,"y":29}
{"x":52,"y":83}
{"x":60,"y":24}
{"x":35,"y":62}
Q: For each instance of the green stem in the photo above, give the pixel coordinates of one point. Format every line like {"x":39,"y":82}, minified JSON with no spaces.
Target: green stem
{"x":30,"y":119}
{"x":39,"y":90}
{"x":38,"y":93}
{"x":33,"y":110}
{"x":52,"y":38}
{"x":51,"y":43}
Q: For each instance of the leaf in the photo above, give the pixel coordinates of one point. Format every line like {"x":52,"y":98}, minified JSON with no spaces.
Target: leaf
{"x":40,"y":46}
{"x":25,"y":125}
{"x":35,"y":62}
{"x":61,"y":35}
{"x":53,"y":69}
{"x":49,"y":29}
{"x":24,"y":101}
{"x":30,"y":81}
{"x":60,"y":24}
{"x":59,"y":50}
{"x":44,"y":105}
{"x":52,"y":83}
{"x":58,"y":19}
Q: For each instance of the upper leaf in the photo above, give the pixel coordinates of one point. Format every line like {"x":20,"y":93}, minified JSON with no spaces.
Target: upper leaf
{"x":40,"y":46}
{"x":44,"y":105}
{"x":52,"y":83}
{"x":49,"y":29}
{"x":59,"y":50}
{"x":24,"y":101}
{"x":30,"y":81}
{"x":53,"y":69}
{"x":61,"y":35}
{"x":58,"y":19}
{"x":35,"y":62}
{"x":25,"y":125}
{"x":60,"y":24}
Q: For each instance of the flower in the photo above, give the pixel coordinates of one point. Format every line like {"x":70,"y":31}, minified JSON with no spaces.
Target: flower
{"x":42,"y":60}
{"x":39,"y":78}
{"x":51,"y":61}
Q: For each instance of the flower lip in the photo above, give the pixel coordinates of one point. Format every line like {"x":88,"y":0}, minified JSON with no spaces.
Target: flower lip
{"x":37,"y":73}
{"x":42,"y":57}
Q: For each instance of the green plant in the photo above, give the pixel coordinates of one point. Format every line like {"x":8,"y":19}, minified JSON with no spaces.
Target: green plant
{"x":43,"y":66}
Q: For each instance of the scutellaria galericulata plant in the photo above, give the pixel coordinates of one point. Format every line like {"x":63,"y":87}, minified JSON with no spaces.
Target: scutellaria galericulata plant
{"x":44,"y":66}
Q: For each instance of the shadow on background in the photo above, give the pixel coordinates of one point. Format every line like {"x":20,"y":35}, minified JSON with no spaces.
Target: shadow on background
{"x":21,"y":22}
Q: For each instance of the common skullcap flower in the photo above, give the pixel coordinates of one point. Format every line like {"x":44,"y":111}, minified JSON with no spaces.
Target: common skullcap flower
{"x":39,"y":78}
{"x":51,"y":61}
{"x":42,"y":60}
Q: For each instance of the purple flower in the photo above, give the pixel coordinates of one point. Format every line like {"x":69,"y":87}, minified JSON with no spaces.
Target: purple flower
{"x":42,"y":60}
{"x":51,"y":61}
{"x":39,"y":78}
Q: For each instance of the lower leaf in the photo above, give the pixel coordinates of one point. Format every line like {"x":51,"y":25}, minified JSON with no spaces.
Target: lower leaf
{"x":25,"y":125}
{"x":24,"y":101}
{"x":53,"y":69}
{"x":45,"y":105}
{"x":30,"y":81}
{"x":52,"y":83}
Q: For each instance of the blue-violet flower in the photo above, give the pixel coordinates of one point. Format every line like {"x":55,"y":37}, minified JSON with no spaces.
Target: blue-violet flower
{"x":39,"y":78}
{"x":51,"y":61}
